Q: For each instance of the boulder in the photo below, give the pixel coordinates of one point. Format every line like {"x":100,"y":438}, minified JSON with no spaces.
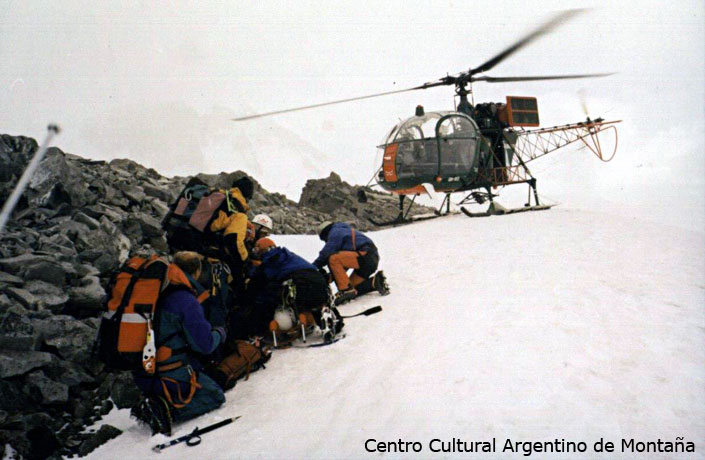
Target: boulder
{"x":14,"y":362}
{"x":6,"y":278}
{"x":71,"y":338}
{"x":18,"y":264}
{"x":84,"y":219}
{"x":69,"y":373}
{"x":45,"y":390}
{"x":88,"y":296}
{"x":49,"y":271}
{"x":23,"y":296}
{"x":13,"y":399}
{"x":150,"y":226}
{"x":57,"y":180}
{"x":104,"y":434}
{"x":124,"y":392}
{"x":50,"y":296}
{"x":133,"y":193}
{"x":17,"y":333}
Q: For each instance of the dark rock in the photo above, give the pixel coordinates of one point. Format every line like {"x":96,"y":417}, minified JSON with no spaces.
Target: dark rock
{"x":43,"y":442}
{"x":45,"y":390}
{"x":69,"y":373}
{"x":124,"y":392}
{"x":6,"y":278}
{"x":71,"y":338}
{"x":159,"y":244}
{"x":20,"y":362}
{"x":339,"y":200}
{"x":72,"y":229}
{"x":88,"y":296}
{"x":158,"y":192}
{"x":84,"y":219}
{"x":150,"y":226}
{"x":105,"y":407}
{"x":49,"y":271}
{"x":83,"y":270}
{"x":58,"y":172}
{"x":13,"y":399}
{"x":17,"y":265}
{"x":99,"y":210}
{"x":23,"y":296}
{"x":17,"y":333}
{"x":50,"y":296}
{"x":133,"y":192}
{"x":104,"y":434}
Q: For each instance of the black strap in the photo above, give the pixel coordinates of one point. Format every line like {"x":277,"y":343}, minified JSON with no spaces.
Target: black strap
{"x":130,"y":287}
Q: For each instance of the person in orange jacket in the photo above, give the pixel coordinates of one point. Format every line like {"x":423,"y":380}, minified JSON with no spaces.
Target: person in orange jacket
{"x":347,"y":248}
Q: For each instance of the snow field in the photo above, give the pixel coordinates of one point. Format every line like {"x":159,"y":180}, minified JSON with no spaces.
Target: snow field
{"x":535,"y":326}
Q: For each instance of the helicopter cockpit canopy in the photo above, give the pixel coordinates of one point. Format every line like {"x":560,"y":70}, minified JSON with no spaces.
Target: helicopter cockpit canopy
{"x":411,"y":150}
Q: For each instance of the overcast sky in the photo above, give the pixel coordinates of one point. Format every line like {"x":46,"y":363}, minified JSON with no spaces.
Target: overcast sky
{"x":158,"y":81}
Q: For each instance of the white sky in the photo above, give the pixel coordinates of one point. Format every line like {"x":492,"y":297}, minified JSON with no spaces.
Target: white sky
{"x":158,"y":82}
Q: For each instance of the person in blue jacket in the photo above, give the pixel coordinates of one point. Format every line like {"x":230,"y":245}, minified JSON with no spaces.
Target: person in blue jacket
{"x":279,"y":264}
{"x":179,"y":390}
{"x":348,"y":248}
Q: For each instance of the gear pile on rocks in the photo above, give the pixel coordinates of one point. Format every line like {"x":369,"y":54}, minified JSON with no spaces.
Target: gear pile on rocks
{"x":76,"y":223}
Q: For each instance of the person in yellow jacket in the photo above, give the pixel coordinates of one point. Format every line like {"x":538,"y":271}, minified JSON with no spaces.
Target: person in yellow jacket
{"x":234,"y":225}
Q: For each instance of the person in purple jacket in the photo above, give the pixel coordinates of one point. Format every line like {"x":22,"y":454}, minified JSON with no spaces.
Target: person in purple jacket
{"x":180,"y":390}
{"x":347,"y":248}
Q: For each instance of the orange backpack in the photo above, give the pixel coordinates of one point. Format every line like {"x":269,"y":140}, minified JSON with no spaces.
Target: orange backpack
{"x":128,"y":327}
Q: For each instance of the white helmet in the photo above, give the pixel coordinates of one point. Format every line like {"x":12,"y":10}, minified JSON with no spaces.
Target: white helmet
{"x":264,"y":220}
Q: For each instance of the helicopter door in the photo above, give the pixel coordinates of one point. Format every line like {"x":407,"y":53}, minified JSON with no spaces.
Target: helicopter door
{"x":457,"y":139}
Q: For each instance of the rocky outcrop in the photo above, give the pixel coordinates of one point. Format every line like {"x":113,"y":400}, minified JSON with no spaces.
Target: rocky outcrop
{"x":341,"y":201}
{"x":77,"y":222}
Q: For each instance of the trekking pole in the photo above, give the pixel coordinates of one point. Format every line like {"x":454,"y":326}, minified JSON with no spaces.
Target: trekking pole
{"x":26,"y":176}
{"x":194,"y":438}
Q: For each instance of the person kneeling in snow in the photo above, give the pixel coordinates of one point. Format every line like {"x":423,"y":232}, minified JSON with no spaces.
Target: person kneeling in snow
{"x":347,"y":248}
{"x":179,"y":391}
{"x":278,"y":265}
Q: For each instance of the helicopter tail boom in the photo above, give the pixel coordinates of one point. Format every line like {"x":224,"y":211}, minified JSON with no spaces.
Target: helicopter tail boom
{"x":533,"y":144}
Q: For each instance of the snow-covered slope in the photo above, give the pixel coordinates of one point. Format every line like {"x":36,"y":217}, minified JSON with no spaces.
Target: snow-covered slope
{"x":562,"y":324}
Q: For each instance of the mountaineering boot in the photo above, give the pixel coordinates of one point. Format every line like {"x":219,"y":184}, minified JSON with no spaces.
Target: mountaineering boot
{"x":380,"y":283}
{"x":154,"y":411}
{"x":344,"y":296}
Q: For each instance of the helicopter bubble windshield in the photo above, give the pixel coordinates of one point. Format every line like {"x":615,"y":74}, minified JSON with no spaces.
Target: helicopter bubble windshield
{"x":418,"y":140}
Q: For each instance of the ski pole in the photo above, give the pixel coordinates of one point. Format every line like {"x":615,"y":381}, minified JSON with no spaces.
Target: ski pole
{"x":194,"y":438}
{"x":368,"y":312}
{"x":26,"y":176}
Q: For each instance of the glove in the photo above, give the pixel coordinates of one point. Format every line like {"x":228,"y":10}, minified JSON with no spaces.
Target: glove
{"x":221,"y":331}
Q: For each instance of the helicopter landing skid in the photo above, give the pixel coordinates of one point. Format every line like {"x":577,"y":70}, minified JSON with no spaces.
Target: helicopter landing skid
{"x":496,"y":209}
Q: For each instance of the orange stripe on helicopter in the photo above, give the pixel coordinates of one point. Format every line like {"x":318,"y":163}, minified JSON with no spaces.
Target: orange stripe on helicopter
{"x":388,"y":163}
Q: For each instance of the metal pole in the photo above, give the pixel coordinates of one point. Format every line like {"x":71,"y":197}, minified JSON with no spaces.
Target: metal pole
{"x":26,"y":176}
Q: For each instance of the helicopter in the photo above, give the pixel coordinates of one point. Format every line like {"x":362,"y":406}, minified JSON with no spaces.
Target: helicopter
{"x":475,"y":148}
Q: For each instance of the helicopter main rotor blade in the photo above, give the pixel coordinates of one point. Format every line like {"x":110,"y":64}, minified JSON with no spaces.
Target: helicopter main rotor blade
{"x":545,"y":28}
{"x":323,"y":104}
{"x":547,"y":77}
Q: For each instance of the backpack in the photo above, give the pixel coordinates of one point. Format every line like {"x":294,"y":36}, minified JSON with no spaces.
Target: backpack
{"x":189,"y":217}
{"x":127,"y":332}
{"x":245,"y":358}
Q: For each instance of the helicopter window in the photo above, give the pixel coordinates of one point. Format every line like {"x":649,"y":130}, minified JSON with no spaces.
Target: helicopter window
{"x":418,"y":127}
{"x":457,"y":127}
{"x":417,"y":158}
{"x":458,"y":141}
